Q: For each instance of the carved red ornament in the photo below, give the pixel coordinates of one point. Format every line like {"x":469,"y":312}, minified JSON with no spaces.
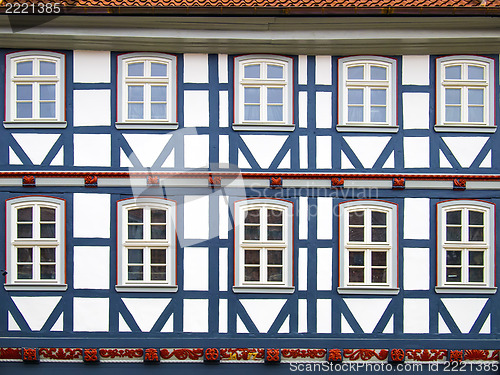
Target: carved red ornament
{"x":426,"y":354}
{"x":483,"y":355}
{"x":90,"y":180}
{"x":11,"y":353}
{"x":303,"y":353}
{"x":365,"y":354}
{"x":214,"y":181}
{"x":276,"y":182}
{"x":334,"y":355}
{"x":153,"y":180}
{"x":398,"y":183}
{"x":90,"y":355}
{"x":151,"y":355}
{"x":459,"y":183}
{"x":29,"y":355}
{"x":397,"y":355}
{"x":29,"y":181}
{"x":272,"y":355}
{"x":212,"y":354}
{"x":182,"y":354}
{"x":60,"y":353}
{"x":121,"y":353}
{"x":456,"y":356}
{"x":337,"y":182}
{"x":242,"y":354}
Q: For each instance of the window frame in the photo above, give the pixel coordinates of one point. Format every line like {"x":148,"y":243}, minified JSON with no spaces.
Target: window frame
{"x":391,"y":84}
{"x":488,"y":286}
{"x":11,"y":121}
{"x":286,"y":244}
{"x":170,"y":243}
{"x":59,"y":243}
{"x":488,"y":63}
{"x":288,"y":92}
{"x":171,"y":122}
{"x":391,"y":287}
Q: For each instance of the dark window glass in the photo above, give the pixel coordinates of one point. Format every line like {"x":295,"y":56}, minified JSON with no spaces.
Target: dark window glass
{"x":135,"y":232}
{"x":47,"y":214}
{"x":25,"y":271}
{"x":252,"y":216}
{"x":476,"y":218}
{"x":453,"y":274}
{"x":379,"y":218}
{"x":158,"y":256}
{"x":356,"y":218}
{"x":356,"y":275}
{"x":47,"y":230}
{"x":25,"y":254}
{"x":379,"y":234}
{"x":159,"y":273}
{"x":158,"y":232}
{"x":135,"y":273}
{"x":356,"y":234}
{"x":275,"y":274}
{"x":24,"y":231}
{"x":379,"y":275}
{"x":158,"y":216}
{"x":252,"y":256}
{"x":453,"y":233}
{"x":379,"y":258}
{"x":252,"y":274}
{"x":48,"y":271}
{"x":454,"y":217}
{"x":476,"y":234}
{"x":274,"y":217}
{"x":25,"y":214}
{"x":135,"y":256}
{"x":252,"y":232}
{"x":356,"y":258}
{"x":275,"y":233}
{"x":48,"y":254}
{"x":476,"y":258}
{"x":135,"y":216}
{"x":476,"y":275}
{"x":275,"y":257}
{"x":453,"y":258}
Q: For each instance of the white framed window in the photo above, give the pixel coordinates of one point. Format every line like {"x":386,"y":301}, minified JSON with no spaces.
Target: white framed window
{"x":367,"y":94}
{"x":263,"y":93}
{"x":35,"y":90}
{"x":465,"y":94}
{"x":466,"y":252}
{"x":35,"y":228}
{"x":368,"y":247}
{"x":147,"y":91}
{"x":263,"y":246}
{"x":146,"y":254}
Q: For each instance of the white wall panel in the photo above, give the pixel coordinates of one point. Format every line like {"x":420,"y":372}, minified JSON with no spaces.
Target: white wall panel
{"x":324,"y":152}
{"x":303,"y":156}
{"x":196,"y":108}
{"x":303,"y":217}
{"x":325,"y":217}
{"x":324,"y":269}
{"x":91,"y":66}
{"x":222,"y":68}
{"x":324,"y":316}
{"x":416,"y":218}
{"x":302,"y":316}
{"x":91,"y":267}
{"x":323,"y":70}
{"x":416,"y":152}
{"x":302,"y":70}
{"x":416,"y":268}
{"x":92,"y":107}
{"x":91,"y":215}
{"x":223,"y":315}
{"x":223,"y":268}
{"x":195,"y":315}
{"x":416,"y":70}
{"x":223,"y":217}
{"x":91,"y":314}
{"x":303,"y":109}
{"x":302,"y":276}
{"x":196,"y":216}
{"x":195,"y":68}
{"x":223,"y":109}
{"x":415,"y":110}
{"x":196,"y":151}
{"x":92,"y":150}
{"x":416,"y":315}
{"x":196,"y":268}
{"x":324,"y":110}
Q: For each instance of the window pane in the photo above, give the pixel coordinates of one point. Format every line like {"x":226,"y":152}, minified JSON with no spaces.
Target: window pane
{"x":453,"y":96}
{"x":135,"y":111}
{"x":476,"y":218}
{"x":355,"y":72}
{"x":453,"y":114}
{"x":379,"y":275}
{"x":252,"y":95}
{"x":377,"y":114}
{"x":476,"y":96}
{"x":274,"y":71}
{"x":252,"y":274}
{"x":378,"y":96}
{"x":355,"y":114}
{"x":47,"y":230}
{"x":275,"y":233}
{"x":275,"y":95}
{"x":356,"y":275}
{"x":158,"y":111}
{"x":135,"y":232}
{"x":24,"y":92}
{"x":136,"y":93}
{"x":252,"y":232}
{"x":24,"y":110}
{"x":48,"y":110}
{"x":135,"y":273}
{"x":475,"y":72}
{"x":252,"y":256}
{"x":135,"y":216}
{"x":158,"y":273}
{"x":356,"y":258}
{"x":453,"y":234}
{"x":25,"y":214}
{"x":158,"y":232}
{"x":252,"y":113}
{"x":25,"y":68}
{"x":476,"y":234}
{"x":159,"y":93}
{"x":158,"y":216}
{"x":136,"y":70}
{"x":158,"y":256}
{"x":356,"y":218}
{"x":379,"y":234}
{"x":379,"y":258}
{"x":252,"y":216}
{"x":453,"y":274}
{"x":135,"y":256}
{"x":274,"y":113}
{"x":275,"y":257}
{"x":48,"y":254}
{"x":47,"y":214}
{"x":47,"y":68}
{"x":24,"y":231}
{"x":274,"y":217}
{"x":24,"y":271}
{"x":453,"y":72}
{"x":378,"y":73}
{"x":379,"y":218}
{"x":453,"y":258}
{"x":476,"y":114}
{"x":355,"y":96}
{"x":356,"y":234}
{"x":454,"y":217}
{"x":252,"y":71}
{"x":275,"y":274}
{"x":158,"y":70}
{"x":476,"y":275}
{"x":476,"y":258}
{"x":47,"y":271}
{"x":25,"y":254}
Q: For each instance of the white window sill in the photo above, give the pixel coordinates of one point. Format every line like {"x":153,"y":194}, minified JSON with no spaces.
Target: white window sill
{"x":465,"y":128}
{"x":263,"y":289}
{"x":147,"y":125}
{"x":368,"y":128}
{"x":37,"y":124}
{"x":465,"y":289}
{"x":264,"y":126}
{"x":36,"y":287}
{"x":367,"y":290}
{"x":147,"y":288}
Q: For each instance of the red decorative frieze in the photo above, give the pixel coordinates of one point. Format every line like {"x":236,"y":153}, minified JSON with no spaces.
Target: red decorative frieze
{"x":276,"y":182}
{"x":29,"y":181}
{"x":337,"y":182}
{"x":459,"y":184}
{"x":30,"y":355}
{"x":11,"y":354}
{"x":398,"y":183}
{"x":242,"y":354}
{"x":212,"y":355}
{"x":456,"y":356}
{"x":335,"y":355}
{"x":397,"y":355}
{"x":309,"y":354}
{"x":272,"y":355}
{"x":182,"y":354}
{"x":214,"y":181}
{"x":121,"y":354}
{"x":153,"y":181}
{"x":481,"y":355}
{"x":366,"y":354}
{"x":151,"y":355}
{"x":90,"y":180}
{"x":427,"y":355}
{"x":90,"y":355}
{"x":65,"y":354}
